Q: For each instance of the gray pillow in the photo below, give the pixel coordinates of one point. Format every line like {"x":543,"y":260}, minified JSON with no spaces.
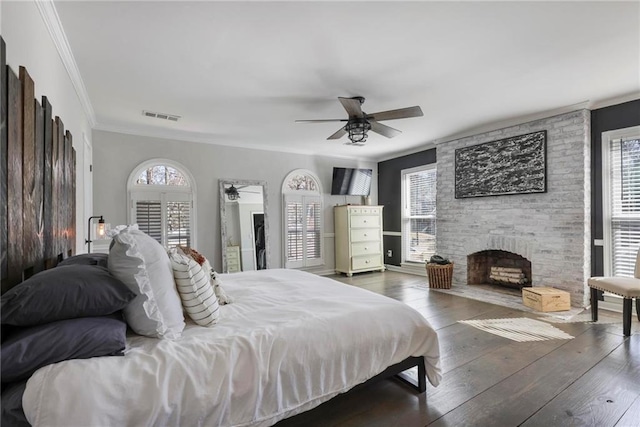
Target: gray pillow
{"x":28,"y":349}
{"x":12,"y":414}
{"x":87,"y":259}
{"x":64,"y":292}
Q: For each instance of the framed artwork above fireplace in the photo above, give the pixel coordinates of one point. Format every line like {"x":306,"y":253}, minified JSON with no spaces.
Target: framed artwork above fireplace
{"x":515,"y":165}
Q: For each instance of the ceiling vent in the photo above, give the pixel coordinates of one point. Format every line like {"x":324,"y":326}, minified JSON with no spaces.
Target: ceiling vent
{"x":163,"y":116}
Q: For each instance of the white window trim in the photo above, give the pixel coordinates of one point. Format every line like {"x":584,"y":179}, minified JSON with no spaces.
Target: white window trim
{"x":607,"y":137}
{"x":161,"y":189}
{"x":287,"y":192}
{"x":403,"y":201}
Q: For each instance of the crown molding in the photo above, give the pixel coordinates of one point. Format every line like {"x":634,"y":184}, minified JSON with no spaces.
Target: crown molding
{"x":614,"y":101}
{"x":52,"y":21}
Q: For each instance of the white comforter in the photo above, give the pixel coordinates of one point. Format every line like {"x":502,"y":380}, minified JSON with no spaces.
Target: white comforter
{"x":290,"y":341}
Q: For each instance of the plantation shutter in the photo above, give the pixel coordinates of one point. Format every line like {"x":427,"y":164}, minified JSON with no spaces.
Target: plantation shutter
{"x":420,"y":215}
{"x":178,"y":224}
{"x":149,"y":218}
{"x":313,"y":230}
{"x":295,"y":249}
{"x":625,"y":204}
{"x":164,"y":216}
{"x":304,"y":231}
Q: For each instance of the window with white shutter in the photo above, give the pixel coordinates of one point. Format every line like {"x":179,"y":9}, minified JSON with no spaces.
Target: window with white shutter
{"x":303,"y":220}
{"x":162,"y":202}
{"x":621,"y":200}
{"x":419,"y":213}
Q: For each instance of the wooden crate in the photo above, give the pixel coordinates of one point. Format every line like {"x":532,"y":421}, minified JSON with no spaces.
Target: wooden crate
{"x":546,"y":299}
{"x":440,"y":275}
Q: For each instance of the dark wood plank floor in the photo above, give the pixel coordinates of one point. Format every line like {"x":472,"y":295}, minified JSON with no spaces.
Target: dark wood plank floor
{"x":591,"y":380}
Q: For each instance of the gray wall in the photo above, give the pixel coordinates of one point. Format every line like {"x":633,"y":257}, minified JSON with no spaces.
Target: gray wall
{"x":116,"y":155}
{"x":603,"y":120}
{"x":390,"y":196}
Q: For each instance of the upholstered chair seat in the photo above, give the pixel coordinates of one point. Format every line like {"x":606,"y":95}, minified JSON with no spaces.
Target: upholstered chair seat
{"x":626,"y":287}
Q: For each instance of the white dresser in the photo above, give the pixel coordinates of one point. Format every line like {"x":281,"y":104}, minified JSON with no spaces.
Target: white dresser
{"x":358,"y":238}
{"x":233,"y":259}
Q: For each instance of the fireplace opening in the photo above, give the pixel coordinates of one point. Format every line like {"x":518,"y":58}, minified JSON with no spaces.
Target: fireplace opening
{"x":495,"y":267}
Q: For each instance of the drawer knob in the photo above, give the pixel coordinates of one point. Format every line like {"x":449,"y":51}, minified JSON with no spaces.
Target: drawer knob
{"x":365,"y":234}
{"x":365,"y":221}
{"x":367,"y":261}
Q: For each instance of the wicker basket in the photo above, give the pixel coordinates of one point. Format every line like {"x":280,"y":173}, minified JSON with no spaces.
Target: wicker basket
{"x":440,"y":275}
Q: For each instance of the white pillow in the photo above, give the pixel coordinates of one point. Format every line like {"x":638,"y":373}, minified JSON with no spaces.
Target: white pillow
{"x":223,"y":298}
{"x":195,"y":290}
{"x":142,"y":264}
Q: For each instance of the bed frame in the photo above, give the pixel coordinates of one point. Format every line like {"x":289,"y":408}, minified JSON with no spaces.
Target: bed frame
{"x":37,"y":180}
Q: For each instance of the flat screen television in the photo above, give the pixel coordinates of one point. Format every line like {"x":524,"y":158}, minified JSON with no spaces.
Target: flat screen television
{"x":351,"y":181}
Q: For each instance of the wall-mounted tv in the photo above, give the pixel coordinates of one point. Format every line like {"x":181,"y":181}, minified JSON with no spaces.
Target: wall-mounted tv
{"x":351,"y":181}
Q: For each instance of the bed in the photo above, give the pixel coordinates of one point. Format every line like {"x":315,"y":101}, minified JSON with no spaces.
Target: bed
{"x":290,"y":341}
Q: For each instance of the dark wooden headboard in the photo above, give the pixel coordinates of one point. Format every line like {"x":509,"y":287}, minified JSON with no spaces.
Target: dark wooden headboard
{"x":37,"y":180}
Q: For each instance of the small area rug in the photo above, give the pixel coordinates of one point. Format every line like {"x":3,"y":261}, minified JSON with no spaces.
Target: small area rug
{"x":519,"y":329}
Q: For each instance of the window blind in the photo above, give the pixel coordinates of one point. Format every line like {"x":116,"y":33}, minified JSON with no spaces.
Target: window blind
{"x":625,"y":204}
{"x":419,"y":231}
{"x":178,"y":224}
{"x":149,"y":218}
{"x":312,"y":228}
{"x":304,"y":230}
{"x":295,"y":251}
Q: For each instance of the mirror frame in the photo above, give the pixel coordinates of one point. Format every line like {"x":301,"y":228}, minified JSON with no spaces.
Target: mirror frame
{"x":223,"y":216}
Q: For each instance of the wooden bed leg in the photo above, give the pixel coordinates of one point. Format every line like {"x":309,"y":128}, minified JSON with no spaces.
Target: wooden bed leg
{"x":422,"y":376}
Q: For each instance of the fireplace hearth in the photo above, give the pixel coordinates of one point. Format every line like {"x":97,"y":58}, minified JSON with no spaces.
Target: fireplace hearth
{"x":497,"y":267}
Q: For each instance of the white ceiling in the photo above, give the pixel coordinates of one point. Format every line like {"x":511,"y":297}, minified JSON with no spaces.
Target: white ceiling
{"x":241,"y":73}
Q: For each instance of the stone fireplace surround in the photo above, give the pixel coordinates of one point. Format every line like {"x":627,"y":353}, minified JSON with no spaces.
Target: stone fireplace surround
{"x":551,"y":230}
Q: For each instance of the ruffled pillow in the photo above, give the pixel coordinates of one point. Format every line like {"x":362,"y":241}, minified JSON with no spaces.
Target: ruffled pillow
{"x":142,"y":264}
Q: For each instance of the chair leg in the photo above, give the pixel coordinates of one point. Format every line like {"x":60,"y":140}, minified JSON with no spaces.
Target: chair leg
{"x":594,"y":304}
{"x":626,"y":316}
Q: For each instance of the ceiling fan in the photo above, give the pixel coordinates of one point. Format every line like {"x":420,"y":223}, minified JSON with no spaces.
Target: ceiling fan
{"x":233,"y":193}
{"x":359,"y":122}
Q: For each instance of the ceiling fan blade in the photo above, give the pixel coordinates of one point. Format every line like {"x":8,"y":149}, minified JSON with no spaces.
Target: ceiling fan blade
{"x":353,"y":106}
{"x":384,"y":130}
{"x":339,"y":134}
{"x":401,"y":113}
{"x":322,"y":121}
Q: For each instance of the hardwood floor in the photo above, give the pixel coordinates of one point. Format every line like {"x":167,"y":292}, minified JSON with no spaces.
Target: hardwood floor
{"x":591,"y":380}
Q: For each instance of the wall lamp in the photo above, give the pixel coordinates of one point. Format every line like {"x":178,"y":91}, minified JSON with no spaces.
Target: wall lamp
{"x":100,"y":231}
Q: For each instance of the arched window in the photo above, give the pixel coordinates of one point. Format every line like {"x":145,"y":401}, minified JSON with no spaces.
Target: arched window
{"x":162,"y":202}
{"x":303,"y":229}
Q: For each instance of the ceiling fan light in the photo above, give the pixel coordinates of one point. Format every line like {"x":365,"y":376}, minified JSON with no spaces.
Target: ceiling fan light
{"x":232,"y":193}
{"x":357,"y":130}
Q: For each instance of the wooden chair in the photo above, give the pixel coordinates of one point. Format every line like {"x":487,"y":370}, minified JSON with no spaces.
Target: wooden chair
{"x":626,"y":287}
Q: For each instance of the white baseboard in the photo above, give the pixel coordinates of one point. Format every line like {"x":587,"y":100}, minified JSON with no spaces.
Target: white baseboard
{"x":417,"y":270}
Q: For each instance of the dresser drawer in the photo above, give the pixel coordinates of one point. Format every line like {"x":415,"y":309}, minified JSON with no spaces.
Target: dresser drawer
{"x":365,"y":248}
{"x":233,"y":253}
{"x":361,"y":262}
{"x":365,"y":235}
{"x":359,"y":221}
{"x":233,"y":266}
